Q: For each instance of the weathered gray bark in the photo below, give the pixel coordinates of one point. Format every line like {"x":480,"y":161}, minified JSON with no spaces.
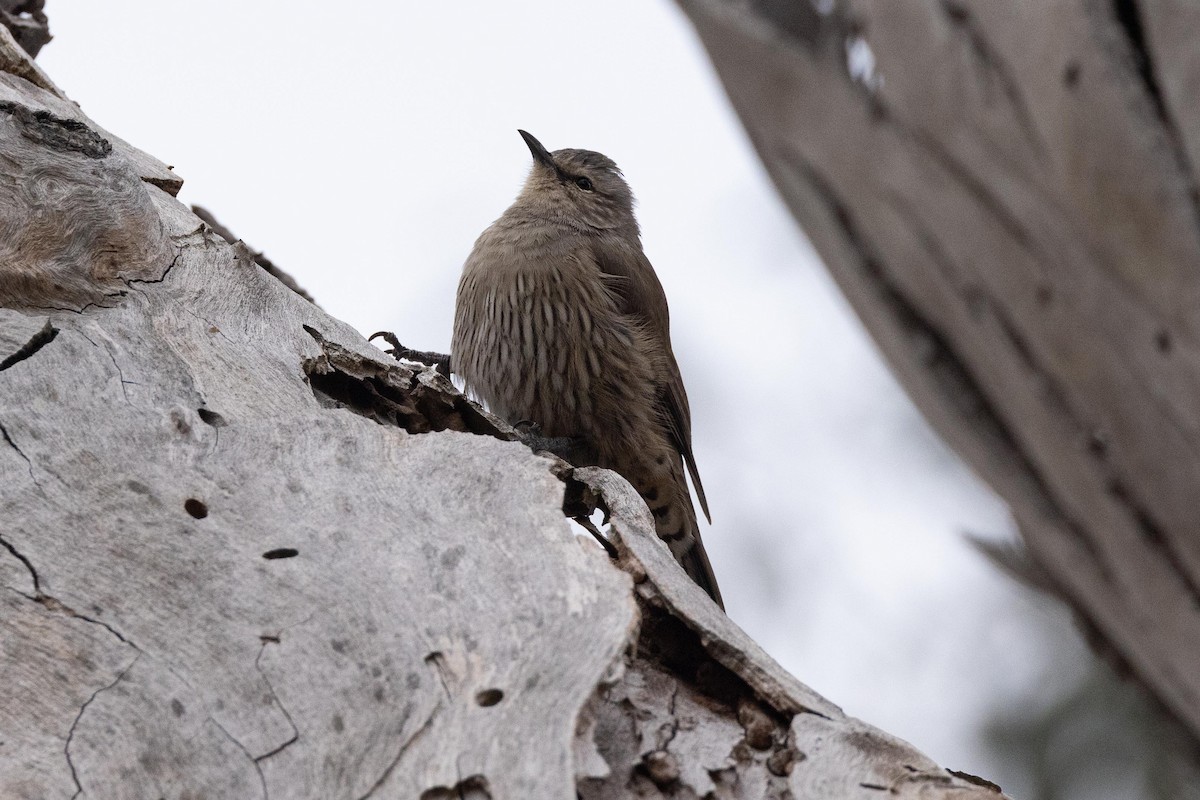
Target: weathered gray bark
{"x":243,"y":553}
{"x":1009,"y":201}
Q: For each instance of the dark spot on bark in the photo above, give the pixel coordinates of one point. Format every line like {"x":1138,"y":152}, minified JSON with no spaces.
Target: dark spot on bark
{"x":338,"y":724}
{"x":1071,"y":74}
{"x":874,"y":745}
{"x":1044,"y":296}
{"x":379,"y":694}
{"x":338,"y":645}
{"x":211,"y":418}
{"x":661,"y":767}
{"x":451,"y":557}
{"x":976,"y":780}
{"x":1162,"y":340}
{"x":781,"y":761}
{"x":281,"y":552}
{"x":195,"y":507}
{"x":758,"y":726}
{"x":977,"y":302}
{"x":413,"y":681}
{"x":799,"y":21}
{"x":137,"y":486}
{"x":474,"y":787}
{"x":57,"y":133}
{"x":489,"y":697}
{"x":177,"y":707}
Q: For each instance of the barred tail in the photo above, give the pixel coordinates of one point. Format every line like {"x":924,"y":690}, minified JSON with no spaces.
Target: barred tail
{"x":695,"y":564}
{"x":665,"y":490}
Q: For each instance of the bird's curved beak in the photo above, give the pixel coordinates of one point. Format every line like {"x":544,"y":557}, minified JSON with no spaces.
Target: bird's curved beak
{"x":540,"y":154}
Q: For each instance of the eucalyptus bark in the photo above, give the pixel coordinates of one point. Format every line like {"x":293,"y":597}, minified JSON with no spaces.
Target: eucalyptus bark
{"x":243,"y":553}
{"x":1007,"y":195}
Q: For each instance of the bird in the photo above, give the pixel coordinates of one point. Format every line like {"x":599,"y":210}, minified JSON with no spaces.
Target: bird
{"x":561,"y":321}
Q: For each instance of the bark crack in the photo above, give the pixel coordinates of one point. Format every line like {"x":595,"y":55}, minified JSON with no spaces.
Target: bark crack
{"x":409,"y":742}
{"x":52,"y":603}
{"x":130,"y":281}
{"x":212,"y":327}
{"x":79,"y":716}
{"x":1154,"y":535}
{"x":673,"y":727}
{"x":1128,"y":16}
{"x":208,"y":716}
{"x":82,"y":308}
{"x":993,"y":63}
{"x":437,"y":662}
{"x":116,"y":366}
{"x":974,"y":186}
{"x":37,"y":587}
{"x":262,"y":778}
{"x":5,"y":435}
{"x":295,"y":737}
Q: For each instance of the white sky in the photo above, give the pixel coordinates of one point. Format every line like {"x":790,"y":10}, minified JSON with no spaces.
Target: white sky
{"x":364,"y":151}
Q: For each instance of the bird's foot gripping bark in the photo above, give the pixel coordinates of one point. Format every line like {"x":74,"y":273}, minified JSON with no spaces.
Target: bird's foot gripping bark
{"x":575,"y":451}
{"x":440,"y":361}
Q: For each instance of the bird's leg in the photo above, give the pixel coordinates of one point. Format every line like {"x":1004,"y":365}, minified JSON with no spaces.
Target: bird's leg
{"x":587,"y":524}
{"x":440,"y":361}
{"x":575,"y":451}
{"x":579,"y":502}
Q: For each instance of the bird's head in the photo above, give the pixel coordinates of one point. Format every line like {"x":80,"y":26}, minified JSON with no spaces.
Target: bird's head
{"x":581,"y":187}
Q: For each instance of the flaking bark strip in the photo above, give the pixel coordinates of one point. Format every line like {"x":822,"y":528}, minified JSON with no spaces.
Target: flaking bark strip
{"x":418,"y":402}
{"x":57,"y":133}
{"x":39,"y":340}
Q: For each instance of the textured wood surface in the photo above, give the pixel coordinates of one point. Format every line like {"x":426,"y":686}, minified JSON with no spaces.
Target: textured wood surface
{"x":1005,"y":192}
{"x":245,"y":554}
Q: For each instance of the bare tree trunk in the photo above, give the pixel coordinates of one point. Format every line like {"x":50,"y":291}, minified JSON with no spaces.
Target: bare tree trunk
{"x":243,"y":553}
{"x":1006,"y":193}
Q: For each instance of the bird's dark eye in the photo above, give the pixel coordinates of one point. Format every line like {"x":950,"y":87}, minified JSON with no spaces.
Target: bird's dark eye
{"x":584,"y":183}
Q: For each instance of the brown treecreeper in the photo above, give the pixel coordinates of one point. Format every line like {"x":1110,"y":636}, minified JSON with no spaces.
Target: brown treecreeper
{"x":561,"y":322}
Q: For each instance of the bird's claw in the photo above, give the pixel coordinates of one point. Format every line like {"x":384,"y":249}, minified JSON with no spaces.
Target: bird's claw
{"x":396,"y":350}
{"x":527,"y":428}
{"x":439,"y":361}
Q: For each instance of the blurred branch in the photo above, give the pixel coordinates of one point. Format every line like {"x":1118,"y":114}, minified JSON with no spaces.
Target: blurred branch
{"x":1020,"y":236}
{"x":1014,"y":559}
{"x":1104,"y":734}
{"x":27,"y":22}
{"x":259,"y":258}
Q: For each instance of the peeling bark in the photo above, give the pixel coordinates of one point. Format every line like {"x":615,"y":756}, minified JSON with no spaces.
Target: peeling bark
{"x":243,"y":553}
